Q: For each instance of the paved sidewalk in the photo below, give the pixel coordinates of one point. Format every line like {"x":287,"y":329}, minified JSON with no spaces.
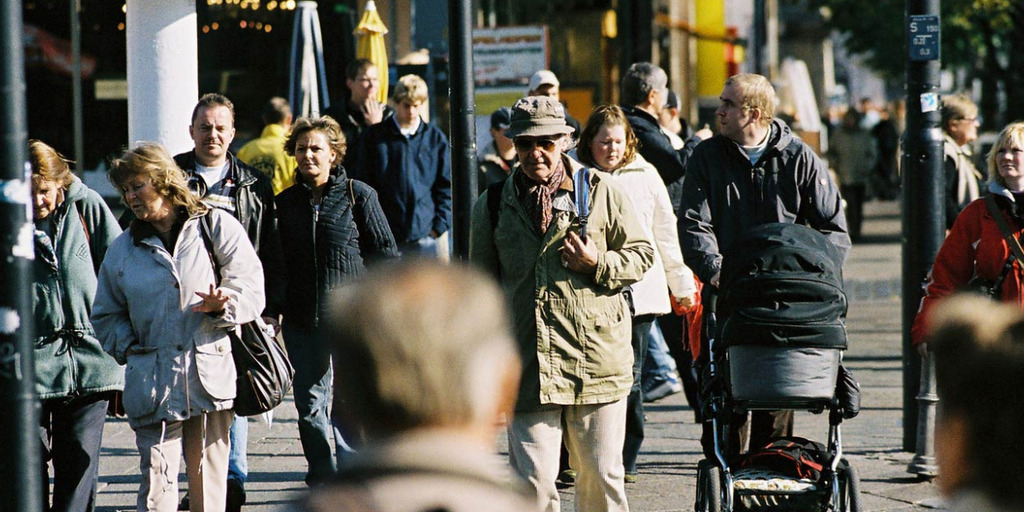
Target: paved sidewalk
{"x":670,"y":452}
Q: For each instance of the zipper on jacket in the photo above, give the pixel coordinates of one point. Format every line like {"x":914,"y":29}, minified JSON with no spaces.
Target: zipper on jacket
{"x":69,"y":344}
{"x":316,"y":270}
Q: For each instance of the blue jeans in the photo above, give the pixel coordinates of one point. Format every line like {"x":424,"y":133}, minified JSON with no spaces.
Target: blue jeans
{"x":425,"y":247}
{"x":658,"y":362}
{"x":312,"y":390}
{"x":238,"y":463}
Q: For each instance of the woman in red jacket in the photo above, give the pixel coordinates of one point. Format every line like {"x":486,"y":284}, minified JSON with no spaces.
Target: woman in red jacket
{"x":975,"y":246}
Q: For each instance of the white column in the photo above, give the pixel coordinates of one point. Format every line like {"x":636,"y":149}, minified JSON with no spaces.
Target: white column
{"x":163,"y":71}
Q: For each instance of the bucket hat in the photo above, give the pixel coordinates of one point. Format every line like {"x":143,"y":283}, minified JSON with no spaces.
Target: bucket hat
{"x":537,"y":116}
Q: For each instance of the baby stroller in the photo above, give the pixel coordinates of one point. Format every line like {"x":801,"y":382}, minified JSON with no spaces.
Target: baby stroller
{"x":773,"y":339}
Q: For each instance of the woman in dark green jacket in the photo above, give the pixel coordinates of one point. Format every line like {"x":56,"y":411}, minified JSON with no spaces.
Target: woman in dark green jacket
{"x":75,"y":378}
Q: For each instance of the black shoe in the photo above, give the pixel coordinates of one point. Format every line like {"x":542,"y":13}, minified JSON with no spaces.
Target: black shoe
{"x":184,"y":504}
{"x":566,"y":479}
{"x":236,"y":495}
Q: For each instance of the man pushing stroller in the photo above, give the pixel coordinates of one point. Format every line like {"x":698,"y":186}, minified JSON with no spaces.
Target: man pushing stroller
{"x":753,"y":172}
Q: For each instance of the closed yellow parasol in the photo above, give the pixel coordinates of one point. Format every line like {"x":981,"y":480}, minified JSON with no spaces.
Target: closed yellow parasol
{"x":370,"y":45}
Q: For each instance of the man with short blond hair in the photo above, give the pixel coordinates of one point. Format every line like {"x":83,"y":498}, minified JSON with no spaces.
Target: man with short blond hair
{"x":755,"y":171}
{"x":406,"y":160}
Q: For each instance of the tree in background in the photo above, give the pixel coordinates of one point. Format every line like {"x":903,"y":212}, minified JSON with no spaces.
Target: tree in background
{"x":983,"y":37}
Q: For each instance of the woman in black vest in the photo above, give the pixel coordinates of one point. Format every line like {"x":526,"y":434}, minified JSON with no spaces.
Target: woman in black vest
{"x":331,"y":228}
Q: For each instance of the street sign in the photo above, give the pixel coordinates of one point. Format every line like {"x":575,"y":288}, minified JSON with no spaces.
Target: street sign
{"x":923,"y":37}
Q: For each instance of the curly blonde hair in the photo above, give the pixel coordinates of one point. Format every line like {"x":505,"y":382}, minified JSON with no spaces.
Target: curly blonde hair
{"x":150,"y":160}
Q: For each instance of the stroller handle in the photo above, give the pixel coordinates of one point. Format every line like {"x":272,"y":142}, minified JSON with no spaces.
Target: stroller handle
{"x":709,"y":298}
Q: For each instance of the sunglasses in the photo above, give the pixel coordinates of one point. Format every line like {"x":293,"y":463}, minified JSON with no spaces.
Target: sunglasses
{"x":528,"y":143}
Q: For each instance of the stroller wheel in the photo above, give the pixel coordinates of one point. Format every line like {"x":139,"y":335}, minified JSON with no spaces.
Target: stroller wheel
{"x":709,"y":487}
{"x":849,"y":488}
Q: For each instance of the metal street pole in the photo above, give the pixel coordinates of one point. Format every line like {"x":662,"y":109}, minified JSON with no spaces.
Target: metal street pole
{"x":923,"y":186}
{"x":463,"y":121}
{"x":19,"y":423}
{"x":76,"y":85}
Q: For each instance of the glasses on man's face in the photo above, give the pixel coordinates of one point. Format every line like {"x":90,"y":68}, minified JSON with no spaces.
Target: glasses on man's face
{"x":970,"y":120}
{"x":528,"y":143}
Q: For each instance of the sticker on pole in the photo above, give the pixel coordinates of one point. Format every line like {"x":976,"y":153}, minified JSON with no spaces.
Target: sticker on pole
{"x":923,"y":37}
{"x":929,"y":102}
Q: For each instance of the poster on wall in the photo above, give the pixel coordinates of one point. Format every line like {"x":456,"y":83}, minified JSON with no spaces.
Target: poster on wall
{"x":504,"y":58}
{"x":507,"y":56}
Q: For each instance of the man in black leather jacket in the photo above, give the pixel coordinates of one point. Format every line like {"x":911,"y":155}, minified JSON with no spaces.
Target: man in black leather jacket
{"x":225,"y":182}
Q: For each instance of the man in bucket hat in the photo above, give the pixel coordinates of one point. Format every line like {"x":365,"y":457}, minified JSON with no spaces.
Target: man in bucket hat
{"x":570,"y":315}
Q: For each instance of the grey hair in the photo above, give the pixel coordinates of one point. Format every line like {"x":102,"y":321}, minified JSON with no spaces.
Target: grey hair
{"x":420,"y":344}
{"x":639,"y":80}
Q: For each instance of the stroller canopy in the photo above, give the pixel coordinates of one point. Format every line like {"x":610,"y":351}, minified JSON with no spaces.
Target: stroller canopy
{"x":782,"y":284}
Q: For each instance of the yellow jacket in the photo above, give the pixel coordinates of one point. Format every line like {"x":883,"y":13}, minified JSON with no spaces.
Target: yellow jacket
{"x":267,"y":155}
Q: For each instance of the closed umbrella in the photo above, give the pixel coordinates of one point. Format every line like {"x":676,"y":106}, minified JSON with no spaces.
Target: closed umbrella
{"x":370,"y":45}
{"x":307,"y":82}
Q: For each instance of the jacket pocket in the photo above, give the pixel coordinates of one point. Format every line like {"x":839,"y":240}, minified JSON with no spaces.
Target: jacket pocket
{"x":141,"y":381}
{"x":608,"y":349}
{"x":216,"y":368}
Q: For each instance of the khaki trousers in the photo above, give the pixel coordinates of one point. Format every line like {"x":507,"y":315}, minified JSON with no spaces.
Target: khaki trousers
{"x":594,"y":435}
{"x":205,"y":440}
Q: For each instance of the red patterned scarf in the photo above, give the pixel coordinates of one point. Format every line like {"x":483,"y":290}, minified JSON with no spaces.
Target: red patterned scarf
{"x":537,"y":196}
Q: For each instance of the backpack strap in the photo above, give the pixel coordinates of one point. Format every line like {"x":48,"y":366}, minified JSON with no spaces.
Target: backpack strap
{"x":85,"y":227}
{"x":582,"y":189}
{"x":88,"y":236}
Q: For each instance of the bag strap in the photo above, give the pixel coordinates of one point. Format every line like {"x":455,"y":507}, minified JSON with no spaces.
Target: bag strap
{"x":204,"y":230}
{"x":1011,"y":240}
{"x":582,"y":186}
{"x":85,"y":227}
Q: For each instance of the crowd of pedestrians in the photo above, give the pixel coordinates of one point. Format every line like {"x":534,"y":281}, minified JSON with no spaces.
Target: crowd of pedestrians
{"x":589,"y":245}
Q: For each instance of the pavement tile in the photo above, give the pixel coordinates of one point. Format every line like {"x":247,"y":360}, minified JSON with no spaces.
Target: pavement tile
{"x":671,"y":450}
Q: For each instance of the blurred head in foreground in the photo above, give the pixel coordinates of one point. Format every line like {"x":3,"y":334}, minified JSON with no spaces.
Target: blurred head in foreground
{"x":424,"y":346}
{"x":978,"y":347}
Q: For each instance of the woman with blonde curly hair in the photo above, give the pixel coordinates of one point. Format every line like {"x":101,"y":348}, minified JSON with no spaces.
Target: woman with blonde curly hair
{"x":331,"y":227}
{"x":163,"y":311}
